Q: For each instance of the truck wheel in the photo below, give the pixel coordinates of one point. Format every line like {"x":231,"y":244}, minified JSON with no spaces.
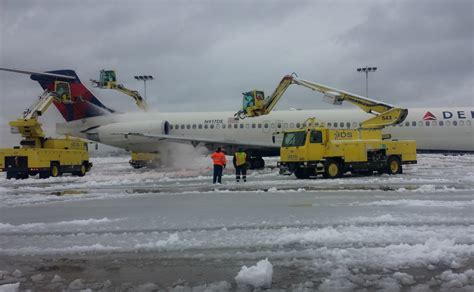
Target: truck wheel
{"x":136,"y":165}
{"x":11,"y":175}
{"x":88,"y":165}
{"x":393,"y":165}
{"x":82,"y":171}
{"x":332,"y":169}
{"x":301,"y":173}
{"x":55,"y":172}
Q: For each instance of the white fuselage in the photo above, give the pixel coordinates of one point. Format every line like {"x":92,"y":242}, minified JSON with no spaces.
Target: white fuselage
{"x":434,"y":129}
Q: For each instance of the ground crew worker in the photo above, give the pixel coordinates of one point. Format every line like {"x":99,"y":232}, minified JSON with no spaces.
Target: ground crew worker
{"x":240,"y":164}
{"x":219,"y":161}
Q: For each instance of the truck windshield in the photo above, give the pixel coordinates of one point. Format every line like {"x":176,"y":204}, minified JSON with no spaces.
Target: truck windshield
{"x":294,"y":139}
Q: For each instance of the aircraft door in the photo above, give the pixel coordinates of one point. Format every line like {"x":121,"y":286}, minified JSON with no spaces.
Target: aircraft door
{"x":277,"y":131}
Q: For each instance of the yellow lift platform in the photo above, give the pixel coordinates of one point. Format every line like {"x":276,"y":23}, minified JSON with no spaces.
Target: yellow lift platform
{"x":39,"y":154}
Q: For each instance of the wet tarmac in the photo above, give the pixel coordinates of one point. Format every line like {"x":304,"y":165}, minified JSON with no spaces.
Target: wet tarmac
{"x":171,"y":229}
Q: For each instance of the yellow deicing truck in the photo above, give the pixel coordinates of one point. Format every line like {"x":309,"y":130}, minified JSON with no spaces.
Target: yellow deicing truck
{"x":38,"y":154}
{"x":315,"y":149}
{"x":53,"y":158}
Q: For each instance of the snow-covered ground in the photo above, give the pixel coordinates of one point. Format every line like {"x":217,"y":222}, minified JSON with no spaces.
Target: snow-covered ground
{"x":413,"y":231}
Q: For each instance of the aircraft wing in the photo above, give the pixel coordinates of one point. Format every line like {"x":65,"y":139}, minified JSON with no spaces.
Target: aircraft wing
{"x":195,"y":141}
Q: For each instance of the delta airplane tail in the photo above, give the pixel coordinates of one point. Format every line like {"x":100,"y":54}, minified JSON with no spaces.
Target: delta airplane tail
{"x":83,"y":103}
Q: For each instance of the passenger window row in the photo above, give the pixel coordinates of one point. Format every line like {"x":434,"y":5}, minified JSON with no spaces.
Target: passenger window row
{"x":234,"y":126}
{"x":434,"y":123}
{"x":298,"y":125}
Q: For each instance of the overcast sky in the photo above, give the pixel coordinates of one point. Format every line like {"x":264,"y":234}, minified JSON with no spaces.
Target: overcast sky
{"x":204,"y":54}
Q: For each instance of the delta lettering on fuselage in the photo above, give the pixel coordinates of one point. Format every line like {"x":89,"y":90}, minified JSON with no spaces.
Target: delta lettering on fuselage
{"x":460,"y":115}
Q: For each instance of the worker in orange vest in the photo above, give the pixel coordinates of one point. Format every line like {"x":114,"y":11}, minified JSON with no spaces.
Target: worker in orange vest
{"x":219,"y":161}
{"x":240,"y":164}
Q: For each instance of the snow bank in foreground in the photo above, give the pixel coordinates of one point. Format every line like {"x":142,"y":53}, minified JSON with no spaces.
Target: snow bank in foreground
{"x":259,"y":275}
{"x":10,"y":287}
{"x":6,"y":227}
{"x":418,"y":203}
{"x":454,"y":280}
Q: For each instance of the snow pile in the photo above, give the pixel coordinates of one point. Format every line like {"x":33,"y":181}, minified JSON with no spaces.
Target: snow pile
{"x":10,"y":287}
{"x":77,"y":284}
{"x":35,"y":227}
{"x":453,"y":280}
{"x":426,"y":189}
{"x":257,"y":276}
{"x":404,"y":278}
{"x":338,"y":280}
{"x":418,"y":203}
{"x":147,"y":287}
{"x":211,"y":287}
{"x":71,"y":249}
{"x":173,"y":242}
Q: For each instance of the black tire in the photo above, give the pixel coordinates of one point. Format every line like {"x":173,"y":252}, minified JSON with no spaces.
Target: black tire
{"x":44,"y":174}
{"x":55,"y":170}
{"x":88,"y":165}
{"x":394,"y":166}
{"x":301,"y":173}
{"x":83,"y":170}
{"x":332,"y":169}
{"x":11,"y":175}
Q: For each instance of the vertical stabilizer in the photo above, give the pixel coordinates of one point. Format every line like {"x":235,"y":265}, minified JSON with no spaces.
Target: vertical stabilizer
{"x":77,"y":104}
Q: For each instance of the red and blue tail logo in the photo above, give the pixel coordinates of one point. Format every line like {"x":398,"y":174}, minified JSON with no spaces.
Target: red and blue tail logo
{"x":83,"y":103}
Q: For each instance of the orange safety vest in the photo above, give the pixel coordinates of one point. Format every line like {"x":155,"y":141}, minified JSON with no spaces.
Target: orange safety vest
{"x":218,"y":158}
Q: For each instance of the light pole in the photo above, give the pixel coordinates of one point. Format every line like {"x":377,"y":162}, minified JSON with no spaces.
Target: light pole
{"x":367,"y":70}
{"x":145,"y":78}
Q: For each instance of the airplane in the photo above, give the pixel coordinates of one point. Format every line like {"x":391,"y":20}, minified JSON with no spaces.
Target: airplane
{"x":434,"y":129}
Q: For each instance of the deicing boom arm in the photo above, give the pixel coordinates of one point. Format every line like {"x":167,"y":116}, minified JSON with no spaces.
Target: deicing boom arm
{"x":385,"y":114}
{"x":39,"y":106}
{"x":108,"y":80}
